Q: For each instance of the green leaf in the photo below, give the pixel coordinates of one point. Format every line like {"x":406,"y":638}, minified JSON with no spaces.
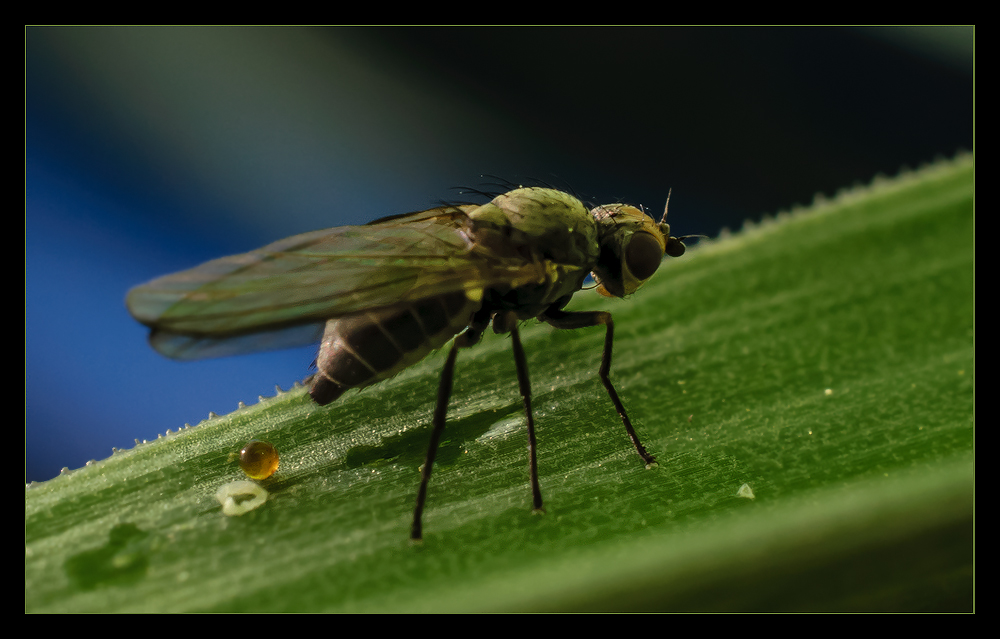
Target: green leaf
{"x":826,"y":360}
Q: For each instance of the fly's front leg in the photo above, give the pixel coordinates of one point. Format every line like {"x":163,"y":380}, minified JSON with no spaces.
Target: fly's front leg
{"x":565,"y":319}
{"x":466,"y":339}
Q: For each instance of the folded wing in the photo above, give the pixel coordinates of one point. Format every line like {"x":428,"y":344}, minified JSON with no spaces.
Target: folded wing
{"x":282,"y":294}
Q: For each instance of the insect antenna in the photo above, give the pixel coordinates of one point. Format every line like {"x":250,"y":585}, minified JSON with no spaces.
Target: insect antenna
{"x":685,"y":238}
{"x":666,"y":206}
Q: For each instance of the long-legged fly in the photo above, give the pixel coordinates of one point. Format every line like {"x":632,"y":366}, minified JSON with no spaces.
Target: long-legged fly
{"x":380,"y":297}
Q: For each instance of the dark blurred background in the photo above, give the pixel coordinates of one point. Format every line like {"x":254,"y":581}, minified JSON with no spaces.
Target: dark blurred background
{"x":150,"y":150}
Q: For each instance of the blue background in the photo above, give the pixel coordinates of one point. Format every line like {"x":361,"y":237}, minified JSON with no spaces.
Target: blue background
{"x":150,"y":150}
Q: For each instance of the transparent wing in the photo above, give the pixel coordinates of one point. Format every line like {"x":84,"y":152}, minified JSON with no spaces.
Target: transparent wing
{"x":280,"y":295}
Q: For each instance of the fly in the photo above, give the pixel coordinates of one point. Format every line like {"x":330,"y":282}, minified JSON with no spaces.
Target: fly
{"x":380,"y":297}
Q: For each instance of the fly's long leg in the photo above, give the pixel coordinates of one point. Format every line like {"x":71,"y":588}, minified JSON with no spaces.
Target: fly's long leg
{"x":565,"y":319}
{"x":466,"y":339}
{"x":521,"y":364}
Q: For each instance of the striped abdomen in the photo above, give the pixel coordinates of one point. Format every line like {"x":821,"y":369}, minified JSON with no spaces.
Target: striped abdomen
{"x":367,"y":347}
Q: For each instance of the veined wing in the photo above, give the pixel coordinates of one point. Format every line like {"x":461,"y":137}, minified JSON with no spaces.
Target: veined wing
{"x":280,"y":295}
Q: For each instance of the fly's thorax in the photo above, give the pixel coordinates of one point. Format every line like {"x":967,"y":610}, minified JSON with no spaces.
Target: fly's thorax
{"x":531,"y":300}
{"x":537,"y":224}
{"x":632,"y":245}
{"x":364,"y":348}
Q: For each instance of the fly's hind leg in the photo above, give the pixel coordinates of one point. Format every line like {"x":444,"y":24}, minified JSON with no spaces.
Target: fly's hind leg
{"x":470,"y":337}
{"x":565,"y":319}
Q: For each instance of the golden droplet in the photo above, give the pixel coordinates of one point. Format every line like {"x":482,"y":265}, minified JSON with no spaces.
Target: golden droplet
{"x":259,"y":460}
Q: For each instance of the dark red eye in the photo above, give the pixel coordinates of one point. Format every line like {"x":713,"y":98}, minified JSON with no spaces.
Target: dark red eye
{"x":643,"y":255}
{"x":675,"y":247}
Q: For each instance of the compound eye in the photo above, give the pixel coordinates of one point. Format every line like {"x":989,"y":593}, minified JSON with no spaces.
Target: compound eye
{"x":675,"y":247}
{"x":643,"y":255}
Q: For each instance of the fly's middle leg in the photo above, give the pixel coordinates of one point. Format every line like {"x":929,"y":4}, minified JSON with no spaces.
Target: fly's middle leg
{"x":569,"y":320}
{"x":506,"y":322}
{"x":524,"y":384}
